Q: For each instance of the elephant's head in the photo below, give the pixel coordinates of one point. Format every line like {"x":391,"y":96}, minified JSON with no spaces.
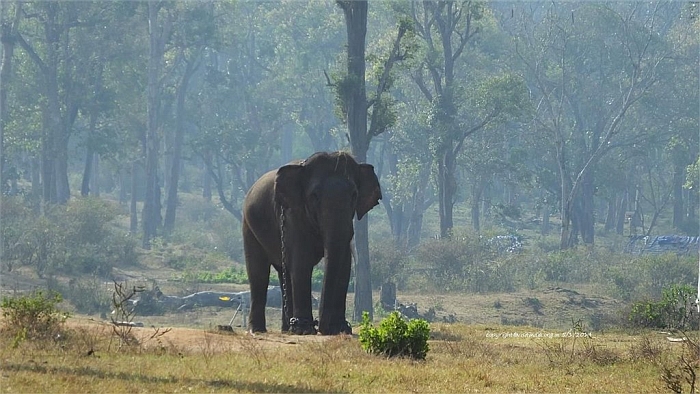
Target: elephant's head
{"x":331,"y":187}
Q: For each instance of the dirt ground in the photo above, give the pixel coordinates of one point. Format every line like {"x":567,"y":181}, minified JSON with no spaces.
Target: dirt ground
{"x":553,"y":308}
{"x":195,"y":340}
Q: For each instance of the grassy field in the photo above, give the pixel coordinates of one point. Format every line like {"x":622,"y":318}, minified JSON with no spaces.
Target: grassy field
{"x":462,"y":358}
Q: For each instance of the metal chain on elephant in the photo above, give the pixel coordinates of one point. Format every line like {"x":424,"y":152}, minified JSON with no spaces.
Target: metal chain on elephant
{"x":285,"y":304}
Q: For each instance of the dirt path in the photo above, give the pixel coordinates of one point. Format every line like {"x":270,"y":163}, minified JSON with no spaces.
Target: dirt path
{"x":193,"y":339}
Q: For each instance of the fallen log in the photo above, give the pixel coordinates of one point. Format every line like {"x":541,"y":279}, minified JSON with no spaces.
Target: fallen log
{"x":155,"y":300}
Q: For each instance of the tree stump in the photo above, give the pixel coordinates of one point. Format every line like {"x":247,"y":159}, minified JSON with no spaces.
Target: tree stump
{"x":387,"y":296}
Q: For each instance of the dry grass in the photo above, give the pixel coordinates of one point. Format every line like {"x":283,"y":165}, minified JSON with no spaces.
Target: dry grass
{"x":462,"y":359}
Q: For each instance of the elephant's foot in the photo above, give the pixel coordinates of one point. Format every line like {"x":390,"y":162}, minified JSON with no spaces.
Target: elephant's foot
{"x":299,"y":326}
{"x":256,"y":326}
{"x":257,"y":330}
{"x":337,"y":328}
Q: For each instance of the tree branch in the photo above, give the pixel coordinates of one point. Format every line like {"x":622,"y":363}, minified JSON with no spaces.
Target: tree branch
{"x":32,"y":54}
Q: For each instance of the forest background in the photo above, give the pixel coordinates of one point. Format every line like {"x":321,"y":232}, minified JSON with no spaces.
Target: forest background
{"x":130,"y":128}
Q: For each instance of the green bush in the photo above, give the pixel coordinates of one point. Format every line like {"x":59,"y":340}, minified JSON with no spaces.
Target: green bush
{"x":394,"y":337}
{"x":674,"y":311}
{"x":33,"y":316}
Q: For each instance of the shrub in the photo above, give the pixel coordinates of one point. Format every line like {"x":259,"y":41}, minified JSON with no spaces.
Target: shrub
{"x":33,"y":316}
{"x":640,"y":277}
{"x":467,"y":263}
{"x":77,"y":237}
{"x":388,"y":262}
{"x":88,"y":296}
{"x":674,"y":311}
{"x":394,"y":337}
{"x":446,"y":258}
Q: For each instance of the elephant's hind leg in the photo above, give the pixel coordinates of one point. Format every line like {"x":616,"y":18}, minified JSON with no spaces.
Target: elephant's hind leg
{"x":258,"y":269}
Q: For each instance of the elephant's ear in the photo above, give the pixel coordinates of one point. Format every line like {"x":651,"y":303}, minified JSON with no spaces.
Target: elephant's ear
{"x":288,"y":186}
{"x":369,"y":191}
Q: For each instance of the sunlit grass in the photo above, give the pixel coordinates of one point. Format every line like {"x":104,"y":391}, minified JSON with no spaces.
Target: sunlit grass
{"x":461,"y":359}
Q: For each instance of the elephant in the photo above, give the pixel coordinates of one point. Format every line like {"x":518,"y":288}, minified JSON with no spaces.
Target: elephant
{"x":292,"y":218}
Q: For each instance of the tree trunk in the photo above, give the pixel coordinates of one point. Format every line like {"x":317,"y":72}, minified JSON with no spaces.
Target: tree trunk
{"x":587,"y":213}
{"x":87,"y":172}
{"x":678,"y":203}
{"x":446,"y":192}
{"x":621,"y":214}
{"x":7,"y":37}
{"x":133,"y":210}
{"x":151,"y":206}
{"x":95,"y":178}
{"x":36,"y":183}
{"x":356,"y":114}
{"x":611,"y":213}
{"x":89,"y":155}
{"x":122,"y":186}
{"x":418,"y":207}
{"x":544,"y":228}
{"x":171,"y":205}
{"x":693,"y":198}
{"x":206,"y":180}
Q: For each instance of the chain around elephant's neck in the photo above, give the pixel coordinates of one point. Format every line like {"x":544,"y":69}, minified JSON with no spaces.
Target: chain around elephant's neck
{"x":283,"y":285}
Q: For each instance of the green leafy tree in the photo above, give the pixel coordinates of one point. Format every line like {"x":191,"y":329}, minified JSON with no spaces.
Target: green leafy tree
{"x":585,"y":84}
{"x":448,"y":30}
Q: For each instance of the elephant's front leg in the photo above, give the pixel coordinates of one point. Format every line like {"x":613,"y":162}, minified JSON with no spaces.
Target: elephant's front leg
{"x":334,"y":294}
{"x":287,"y":298}
{"x":302,"y":320}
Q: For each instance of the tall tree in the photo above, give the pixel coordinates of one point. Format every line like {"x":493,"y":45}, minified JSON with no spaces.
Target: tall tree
{"x":446,"y":28}
{"x":355,"y":110}
{"x":55,"y":58}
{"x":8,"y":30}
{"x":190,"y":40}
{"x":159,"y":31}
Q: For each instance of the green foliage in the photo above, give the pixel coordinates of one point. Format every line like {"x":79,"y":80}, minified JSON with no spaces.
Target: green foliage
{"x":239,"y":276}
{"x":33,"y":316}
{"x":229,"y":275}
{"x":394,"y":337}
{"x":73,"y":238}
{"x":673,"y":311}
